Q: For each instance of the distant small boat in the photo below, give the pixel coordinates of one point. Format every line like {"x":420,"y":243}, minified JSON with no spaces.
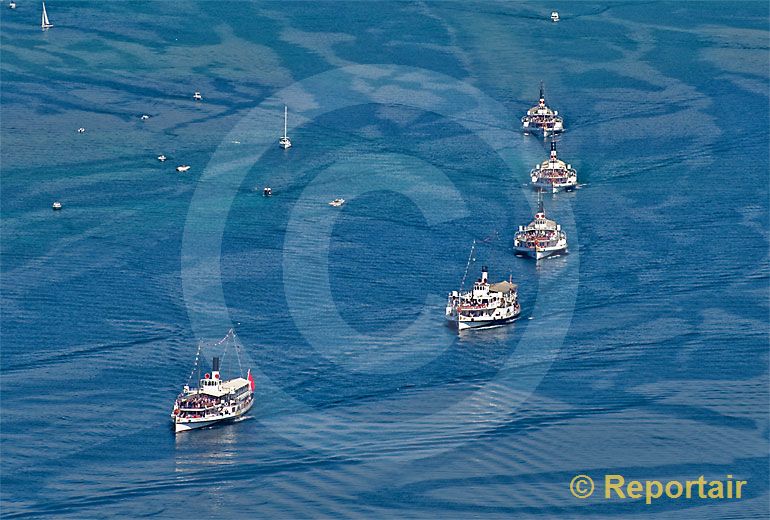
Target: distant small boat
{"x":56,"y":206}
{"x":267,"y":192}
{"x":45,"y":23}
{"x":144,"y":117}
{"x":554,"y":16}
{"x":284,"y":141}
{"x":162,"y":157}
{"x":81,"y":130}
{"x":12,"y":5}
{"x":197,"y":96}
{"x":337,"y":203}
{"x":183,"y":168}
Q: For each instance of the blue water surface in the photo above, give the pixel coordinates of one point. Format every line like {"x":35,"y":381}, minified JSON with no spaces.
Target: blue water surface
{"x":644,"y":352}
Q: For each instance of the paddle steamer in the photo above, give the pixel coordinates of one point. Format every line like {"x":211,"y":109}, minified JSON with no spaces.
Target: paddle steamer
{"x":540,"y":238}
{"x":553,"y":174}
{"x":214,"y":400}
{"x":486,"y":305}
{"x":541,"y":119}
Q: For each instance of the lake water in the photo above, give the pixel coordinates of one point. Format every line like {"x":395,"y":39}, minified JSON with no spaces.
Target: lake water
{"x":644,"y":352}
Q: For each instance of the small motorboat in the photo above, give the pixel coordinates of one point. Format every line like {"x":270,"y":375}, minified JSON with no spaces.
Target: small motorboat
{"x":56,"y":206}
{"x":183,"y":168}
{"x":268,"y":191}
{"x":197,"y":96}
{"x":162,"y":157}
{"x":12,"y":5}
{"x":337,"y":203}
{"x":554,"y":16}
{"x":81,"y":130}
{"x":144,"y":117}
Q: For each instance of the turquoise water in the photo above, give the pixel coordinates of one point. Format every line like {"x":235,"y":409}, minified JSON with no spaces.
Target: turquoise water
{"x":643,"y":352}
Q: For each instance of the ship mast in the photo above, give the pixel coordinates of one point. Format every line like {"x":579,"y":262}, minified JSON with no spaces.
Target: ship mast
{"x":467,"y":266}
{"x":198,"y":365}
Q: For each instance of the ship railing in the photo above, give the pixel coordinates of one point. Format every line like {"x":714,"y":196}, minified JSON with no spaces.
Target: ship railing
{"x":553,"y":173}
{"x":464,"y":308}
{"x":530,"y":238}
{"x":199,"y":403}
{"x":197,"y":408}
{"x":540,"y":244}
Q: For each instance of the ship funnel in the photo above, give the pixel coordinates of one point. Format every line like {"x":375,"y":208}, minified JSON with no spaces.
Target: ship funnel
{"x":215,"y":368}
{"x":484,"y":274}
{"x":542,"y":92}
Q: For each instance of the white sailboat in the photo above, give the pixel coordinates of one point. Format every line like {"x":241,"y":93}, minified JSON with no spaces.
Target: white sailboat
{"x":45,"y":23}
{"x":284,"y":141}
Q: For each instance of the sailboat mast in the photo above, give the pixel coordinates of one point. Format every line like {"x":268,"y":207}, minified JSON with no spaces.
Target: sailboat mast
{"x":285,"y":119}
{"x":44,"y":23}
